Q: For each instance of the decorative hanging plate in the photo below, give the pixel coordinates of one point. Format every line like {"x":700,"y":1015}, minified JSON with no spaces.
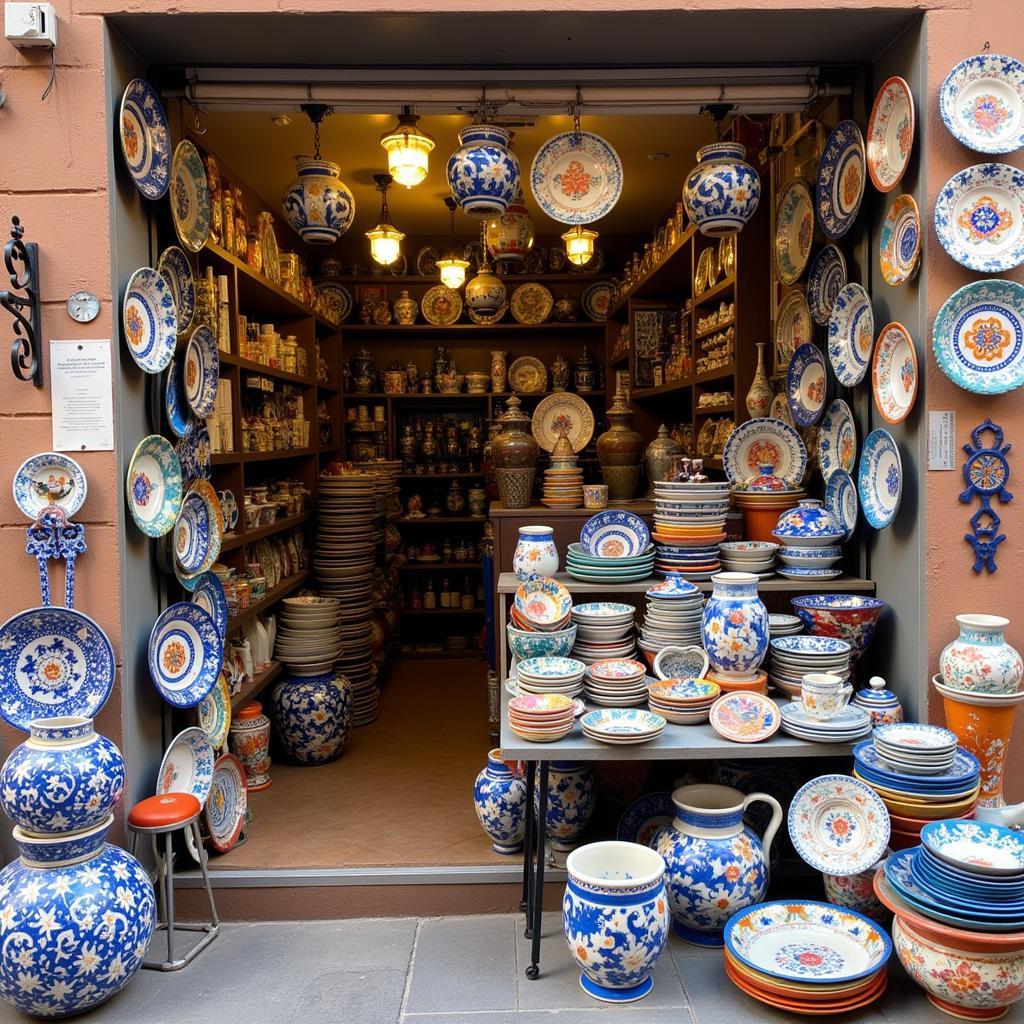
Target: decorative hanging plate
{"x":794,"y":230}
{"x":186,"y":653}
{"x":793,"y":328}
{"x":880,"y":479}
{"x":55,"y":662}
{"x":982,"y":103}
{"x":173,"y":267}
{"x":528,"y":375}
{"x":825,"y":281}
{"x":271,"y":252}
{"x":841,"y":501}
{"x":154,"y":485}
{"x":175,"y":403}
{"x":851,"y":335}
{"x":894,"y":373}
{"x":198,"y":529}
{"x":700,"y":277}
{"x":335,"y":299}
{"x":214,"y":712}
{"x":563,"y":411}
{"x":837,"y":440}
{"x":727,"y":254}
{"x":49,"y":478}
{"x":441,"y":305}
{"x":576,"y":177}
{"x":209,"y":594}
{"x":979,"y":217}
{"x":899,"y":243}
{"x":149,"y":319}
{"x":890,"y":134}
{"x":202,"y":371}
{"x":225,"y":807}
{"x":841,"y":176}
{"x":145,"y":139}
{"x":745,"y":717}
{"x":194,"y":453}
{"x":531,"y":304}
{"x":805,"y":385}
{"x":780,"y":410}
{"x":764,"y":442}
{"x":190,"y":197}
{"x":597,"y":300}
{"x":187,"y":766}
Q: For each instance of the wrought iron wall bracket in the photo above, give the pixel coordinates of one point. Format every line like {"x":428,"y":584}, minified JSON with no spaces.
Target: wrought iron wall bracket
{"x":22,"y":262}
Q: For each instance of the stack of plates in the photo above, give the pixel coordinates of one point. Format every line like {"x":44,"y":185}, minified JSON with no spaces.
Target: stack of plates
{"x":307,"y":640}
{"x":542,"y":605}
{"x":622,"y":725}
{"x":673,"y":617}
{"x":601,"y":569}
{"x":784,"y":625}
{"x":915,"y":748}
{"x":551,"y":675}
{"x":616,"y":682}
{"x":689,"y":524}
{"x":563,"y":487}
{"x":756,"y":556}
{"x":852,"y":723}
{"x":541,"y":717}
{"x":604,"y":629}
{"x":683,"y":701}
{"x":794,"y":657}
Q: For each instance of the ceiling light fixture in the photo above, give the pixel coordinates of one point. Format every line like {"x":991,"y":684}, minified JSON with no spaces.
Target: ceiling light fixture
{"x":408,"y":149}
{"x":281,"y":120}
{"x":452,"y":266}
{"x":385,"y":238}
{"x":579,"y":244}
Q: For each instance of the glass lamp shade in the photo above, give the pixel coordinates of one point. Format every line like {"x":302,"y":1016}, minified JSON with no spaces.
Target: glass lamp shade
{"x":579,"y":245}
{"x":408,"y":151}
{"x":453,"y":270}
{"x":385,"y":243}
{"x":509,"y":236}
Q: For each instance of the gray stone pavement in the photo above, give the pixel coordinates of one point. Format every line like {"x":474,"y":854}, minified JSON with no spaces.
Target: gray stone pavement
{"x":452,"y":970}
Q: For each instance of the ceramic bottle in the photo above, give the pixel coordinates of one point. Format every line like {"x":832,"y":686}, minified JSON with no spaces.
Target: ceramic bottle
{"x":658,"y":457}
{"x":734,"y":628}
{"x":499,"y":371}
{"x":760,"y":395}
{"x":499,"y":797}
{"x":535,"y":554}
{"x":620,"y":451}
{"x":405,"y":309}
{"x":979,"y":659}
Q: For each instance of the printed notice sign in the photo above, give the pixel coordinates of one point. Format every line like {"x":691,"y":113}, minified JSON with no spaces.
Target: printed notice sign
{"x":82,"y":393}
{"x":942,"y":440}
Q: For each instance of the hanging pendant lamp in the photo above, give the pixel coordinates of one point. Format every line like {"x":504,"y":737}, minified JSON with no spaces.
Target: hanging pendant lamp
{"x":452,"y":266}
{"x":510,"y":234}
{"x":486,"y":293}
{"x":579,"y":244}
{"x":385,"y":238}
{"x":408,"y":149}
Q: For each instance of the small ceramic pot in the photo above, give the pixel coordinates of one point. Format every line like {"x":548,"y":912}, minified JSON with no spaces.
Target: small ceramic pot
{"x":476,"y":383}
{"x":980,"y":660}
{"x":595,"y":496}
{"x":570,"y":802}
{"x":879,"y":702}
{"x":499,"y":798}
{"x":535,"y":554}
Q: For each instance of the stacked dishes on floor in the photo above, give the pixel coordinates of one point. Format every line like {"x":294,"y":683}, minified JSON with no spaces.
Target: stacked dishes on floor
{"x":683,"y":701}
{"x":307,"y":640}
{"x":541,"y":718}
{"x":675,"y":607}
{"x":551,"y":675}
{"x":689,"y":524}
{"x":793,"y":657}
{"x":756,"y":556}
{"x":604,"y":629}
{"x":614,"y":547}
{"x":616,"y":682}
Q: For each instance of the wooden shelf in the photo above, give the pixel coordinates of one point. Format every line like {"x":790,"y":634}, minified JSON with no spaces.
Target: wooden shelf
{"x":715,"y":410}
{"x":713,"y":330}
{"x":251,"y":366}
{"x":661,"y":389}
{"x":619,"y":361}
{"x":440,"y":476}
{"x":256,"y":685}
{"x":723,"y":286}
{"x":440,"y":611}
{"x":398,"y":330}
{"x":665,"y":276}
{"x":278,"y":526}
{"x":438,"y":566}
{"x":440,"y":520}
{"x":289,"y":453}
{"x":283,"y":589}
{"x":720,"y":374}
{"x":508,"y":583}
{"x":582,"y":277}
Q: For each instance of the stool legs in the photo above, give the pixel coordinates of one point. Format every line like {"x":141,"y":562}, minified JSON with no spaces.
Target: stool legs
{"x":169,"y":893}
{"x":215,"y":921}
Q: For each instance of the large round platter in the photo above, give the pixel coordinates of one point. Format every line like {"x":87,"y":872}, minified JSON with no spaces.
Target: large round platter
{"x":982,"y":103}
{"x":186,"y":652}
{"x":190,"y":197}
{"x":765,"y":442}
{"x":187,"y":766}
{"x":978,"y":337}
{"x":645,"y":817}
{"x":841,"y":178}
{"x":841,"y":501}
{"x":213,"y":713}
{"x":154,"y":485}
{"x":614,"y":534}
{"x":527,"y":375}
{"x":441,"y":305}
{"x":563,"y":411}
{"x":794,"y":230}
{"x":336,"y":300}
{"x":851,"y":335}
{"x":202,"y":371}
{"x":894,"y":373}
{"x":175,"y":403}
{"x":899,"y":243}
{"x":793,"y":328}
{"x":145,"y":138}
{"x":890,"y":134}
{"x":149,"y":320}
{"x":198,"y":529}
{"x":531,"y":304}
{"x":576,"y":177}
{"x":56,"y":662}
{"x":979,"y":217}
{"x":225,"y":807}
{"x":597,"y":300}
{"x":806,"y":385}
{"x":880,"y":479}
{"x":837,"y":439}
{"x":49,"y":478}
{"x":827,"y":277}
{"x":209,"y":594}
{"x":173,"y":267}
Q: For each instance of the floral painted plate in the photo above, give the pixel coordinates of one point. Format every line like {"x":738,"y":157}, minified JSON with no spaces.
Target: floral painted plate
{"x":186,"y":653}
{"x":226,"y":805}
{"x":851,"y":335}
{"x":826,"y":279}
{"x":150,"y":320}
{"x":761,"y":443}
{"x":154,"y":485}
{"x":805,"y":385}
{"x":978,"y":337}
{"x":145,"y":138}
{"x":645,"y":817}
{"x":894,"y":373}
{"x":976,"y":846}
{"x":175,"y":403}
{"x":49,"y":478}
{"x":531,"y":304}
{"x":979,"y":217}
{"x":841,"y":501}
{"x":564,"y":411}
{"x":890,"y":134}
{"x":198,"y":529}
{"x":576,"y":177}
{"x":194,"y":453}
{"x":527,"y":375}
{"x":622,"y":725}
{"x":614,"y":534}
{"x":841,"y":178}
{"x":209,"y":594}
{"x":173,"y":267}
{"x":794,"y":230}
{"x":202,"y":371}
{"x":56,"y":662}
{"x":837,"y":439}
{"x":745,"y":717}
{"x":187,"y":766}
{"x":213,"y":712}
{"x":899,"y":243}
{"x":597,"y":300}
{"x":880,"y":479}
{"x":982,"y":103}
{"x":793,"y":328}
{"x":190,"y":197}
{"x":441,"y":305}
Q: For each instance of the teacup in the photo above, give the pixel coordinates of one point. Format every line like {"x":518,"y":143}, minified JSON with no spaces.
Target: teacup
{"x":595,"y":495}
{"x":824,"y":695}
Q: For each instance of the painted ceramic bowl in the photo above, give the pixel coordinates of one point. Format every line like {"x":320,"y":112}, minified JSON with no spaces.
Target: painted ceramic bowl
{"x":808,"y":525}
{"x":525,"y":644}
{"x":849,"y":617}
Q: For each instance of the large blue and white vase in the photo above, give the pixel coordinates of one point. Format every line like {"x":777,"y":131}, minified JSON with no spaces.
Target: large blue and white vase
{"x":483,"y":173}
{"x":499,"y":798}
{"x":318,"y":204}
{"x":734,"y":629}
{"x":63,"y":778}
{"x":76,"y":917}
{"x":615,"y":917}
{"x":570,"y":802}
{"x":722,"y":192}
{"x":715,"y":864}
{"x":312,"y":716}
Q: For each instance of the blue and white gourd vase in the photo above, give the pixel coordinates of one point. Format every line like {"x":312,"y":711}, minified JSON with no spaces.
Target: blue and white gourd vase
{"x":722,"y":192}
{"x":535,"y":554}
{"x":499,"y":797}
{"x":312,"y":716}
{"x":318,"y":204}
{"x":570,"y":802}
{"x":734,"y":628}
{"x":483,"y":173}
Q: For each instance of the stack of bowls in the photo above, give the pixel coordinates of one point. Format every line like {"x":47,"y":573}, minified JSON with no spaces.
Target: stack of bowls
{"x":307,"y":638}
{"x":810,"y":541}
{"x":683,"y":701}
{"x":793,"y":657}
{"x":756,"y":556}
{"x":915,"y":748}
{"x":551,"y":675}
{"x":849,"y":617}
{"x":784,"y":625}
{"x":541,"y":717}
{"x":606,"y":569}
{"x":604,"y":629}
{"x":542,"y":605}
{"x":675,"y":608}
{"x":616,"y":682}
{"x":689,"y":524}
{"x":614,"y":547}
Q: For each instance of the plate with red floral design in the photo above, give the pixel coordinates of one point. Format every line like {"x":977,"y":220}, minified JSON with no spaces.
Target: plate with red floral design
{"x":890,"y":134}
{"x":894,"y":373}
{"x":982,"y":103}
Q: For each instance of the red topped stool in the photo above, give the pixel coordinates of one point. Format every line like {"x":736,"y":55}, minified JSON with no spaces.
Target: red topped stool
{"x":163,"y":815}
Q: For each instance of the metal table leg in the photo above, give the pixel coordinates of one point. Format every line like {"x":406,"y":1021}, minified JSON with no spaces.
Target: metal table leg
{"x":533,"y":971}
{"x":526,"y":903}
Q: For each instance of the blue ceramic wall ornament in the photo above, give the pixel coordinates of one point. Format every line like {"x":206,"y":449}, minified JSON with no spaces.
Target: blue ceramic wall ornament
{"x":54,"y":536}
{"x":987,"y":473}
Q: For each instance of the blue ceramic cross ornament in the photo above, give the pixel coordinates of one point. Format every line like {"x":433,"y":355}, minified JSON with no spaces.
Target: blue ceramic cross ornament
{"x":987,"y":473}
{"x":53,"y":535}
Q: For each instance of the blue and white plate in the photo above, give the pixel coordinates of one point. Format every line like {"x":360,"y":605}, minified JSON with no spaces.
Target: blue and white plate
{"x":187,"y":766}
{"x":978,"y":337}
{"x":54,"y":662}
{"x":810,"y":644}
{"x":174,"y":267}
{"x":837,"y":439}
{"x":982,"y":103}
{"x":962,"y":777}
{"x":145,"y":139}
{"x":154,"y":485}
{"x":826,"y":278}
{"x":799,"y":572}
{"x":190,"y":197}
{"x":899,"y":242}
{"x":851,"y":335}
{"x":762,"y":442}
{"x":186,"y":651}
{"x":224,"y":811}
{"x":841,"y":501}
{"x":194,"y":453}
{"x":976,"y":846}
{"x":806,"y":385}
{"x":149,"y":319}
{"x":551,"y":668}
{"x":198,"y":529}
{"x":576,"y":177}
{"x":842,"y":172}
{"x":175,"y":403}
{"x":615,"y":533}
{"x":49,"y":478}
{"x":202,"y":371}
{"x":880,"y":479}
{"x":645,"y":817}
{"x":209,"y":594}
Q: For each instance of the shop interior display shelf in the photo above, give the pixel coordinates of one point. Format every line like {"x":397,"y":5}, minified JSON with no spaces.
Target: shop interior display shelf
{"x":715,"y":293}
{"x":664,"y":276}
{"x":279,"y":525}
{"x":255,"y":686}
{"x":399,"y":330}
{"x":427,"y":477}
{"x":440,"y":520}
{"x":226,"y":458}
{"x":508,"y":583}
{"x":283,"y":589}
{"x":250,"y":365}
{"x":510,"y":280}
{"x":438,"y":566}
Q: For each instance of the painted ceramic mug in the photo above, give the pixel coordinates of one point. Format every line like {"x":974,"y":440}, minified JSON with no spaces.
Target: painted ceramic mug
{"x":823,"y":695}
{"x":595,"y":495}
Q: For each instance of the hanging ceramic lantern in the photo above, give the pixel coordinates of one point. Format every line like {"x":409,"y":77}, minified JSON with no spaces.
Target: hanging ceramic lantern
{"x":483,"y":172}
{"x":509,"y":236}
{"x":721,"y":193}
{"x":485,"y":294}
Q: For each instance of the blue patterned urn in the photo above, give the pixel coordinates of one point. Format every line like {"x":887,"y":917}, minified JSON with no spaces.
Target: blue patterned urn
{"x":734,"y":629}
{"x":715,"y":865}
{"x":318,"y":204}
{"x":483,"y":172}
{"x":63,"y":778}
{"x":615,"y":917}
{"x":499,"y":797}
{"x":312,"y":716}
{"x":76,"y":916}
{"x":722,"y":192}
{"x":570,"y":802}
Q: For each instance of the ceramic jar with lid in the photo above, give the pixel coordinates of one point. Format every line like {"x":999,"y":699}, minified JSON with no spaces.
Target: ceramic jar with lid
{"x":405,"y":309}
{"x":620,"y":450}
{"x":249,"y":741}
{"x":980,"y":660}
{"x":722,"y":192}
{"x":810,"y":524}
{"x":879,"y":702}
{"x":658,"y":457}
{"x":514,"y":456}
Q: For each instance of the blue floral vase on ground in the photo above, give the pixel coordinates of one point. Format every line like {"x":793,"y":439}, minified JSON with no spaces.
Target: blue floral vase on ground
{"x":483,"y":173}
{"x":570,"y":802}
{"x":722,"y":192}
{"x":715,"y":865}
{"x":734,"y":629}
{"x":312,"y":716}
{"x":499,"y":797}
{"x":615,"y":917}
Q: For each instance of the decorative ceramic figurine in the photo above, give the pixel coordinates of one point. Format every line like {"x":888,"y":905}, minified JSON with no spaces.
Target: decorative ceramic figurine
{"x":658,"y":458}
{"x":620,"y":451}
{"x":499,"y":797}
{"x":514,"y":456}
{"x":535,"y":554}
{"x":318,"y":204}
{"x":760,"y":395}
{"x":722,"y":192}
{"x":406,"y":309}
{"x":483,"y":172}
{"x":249,"y":741}
{"x":735,"y":626}
{"x":312,"y":715}
{"x":499,"y":371}
{"x":570,"y":802}
{"x":980,"y":660}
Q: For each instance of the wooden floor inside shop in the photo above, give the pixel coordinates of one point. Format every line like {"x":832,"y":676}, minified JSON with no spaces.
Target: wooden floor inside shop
{"x":402,"y":793}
